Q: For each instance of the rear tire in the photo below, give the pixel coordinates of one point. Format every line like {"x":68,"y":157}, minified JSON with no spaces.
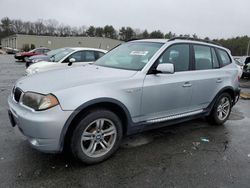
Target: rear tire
{"x":97,"y":136}
{"x":221,"y":110}
{"x":25,"y":59}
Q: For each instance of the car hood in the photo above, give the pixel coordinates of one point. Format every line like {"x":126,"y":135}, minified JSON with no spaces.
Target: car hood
{"x":38,"y":56}
{"x":40,"y":64}
{"x":56,"y":80}
{"x":26,"y":53}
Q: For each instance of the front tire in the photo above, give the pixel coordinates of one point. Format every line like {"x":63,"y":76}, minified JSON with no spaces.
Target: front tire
{"x":221,"y":109}
{"x":97,"y":136}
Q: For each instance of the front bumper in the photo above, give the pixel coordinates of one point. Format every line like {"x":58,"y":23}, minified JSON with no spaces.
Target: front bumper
{"x":18,"y":57}
{"x":42,"y":129}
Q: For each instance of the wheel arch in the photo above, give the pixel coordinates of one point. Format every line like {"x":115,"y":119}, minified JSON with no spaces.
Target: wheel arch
{"x":230,"y":90}
{"x":107,"y":103}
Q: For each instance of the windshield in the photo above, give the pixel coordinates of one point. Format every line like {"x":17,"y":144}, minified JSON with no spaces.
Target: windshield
{"x":53,"y":52}
{"x":31,"y":50}
{"x":57,"y":57}
{"x":130,"y":56}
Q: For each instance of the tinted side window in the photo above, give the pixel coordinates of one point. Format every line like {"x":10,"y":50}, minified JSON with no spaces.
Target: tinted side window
{"x":100,"y":54}
{"x":215,"y":59}
{"x":89,"y":56}
{"x":178,"y":55}
{"x":40,"y":51}
{"x":225,"y":59}
{"x":77,"y":56}
{"x":203,"y":57}
{"x":46,"y":51}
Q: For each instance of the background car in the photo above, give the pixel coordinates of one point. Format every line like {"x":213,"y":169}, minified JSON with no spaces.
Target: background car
{"x":44,"y":57}
{"x":245,"y":62}
{"x":240,"y":66}
{"x":37,"y":51}
{"x":246,"y":71}
{"x":66,"y":58}
{"x":9,"y":50}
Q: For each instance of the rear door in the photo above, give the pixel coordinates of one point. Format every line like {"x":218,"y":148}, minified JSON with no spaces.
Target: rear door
{"x":83,"y":57}
{"x":168,"y":94}
{"x":207,"y":77}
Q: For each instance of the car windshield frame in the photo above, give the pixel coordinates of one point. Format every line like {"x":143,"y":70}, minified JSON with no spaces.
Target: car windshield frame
{"x":51,"y":53}
{"x":132,"y":56}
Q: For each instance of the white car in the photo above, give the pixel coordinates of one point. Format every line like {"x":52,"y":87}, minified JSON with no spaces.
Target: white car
{"x":67,"y":58}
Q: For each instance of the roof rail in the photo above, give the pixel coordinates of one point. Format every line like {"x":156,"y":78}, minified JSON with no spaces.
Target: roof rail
{"x":194,"y":39}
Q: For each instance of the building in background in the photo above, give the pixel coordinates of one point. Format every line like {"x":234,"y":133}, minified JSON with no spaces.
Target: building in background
{"x":21,"y":42}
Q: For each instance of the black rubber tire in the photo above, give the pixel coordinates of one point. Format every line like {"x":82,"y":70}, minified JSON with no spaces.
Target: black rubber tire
{"x":213,"y":117}
{"x":23,"y":59}
{"x":27,"y":64}
{"x":75,"y":144}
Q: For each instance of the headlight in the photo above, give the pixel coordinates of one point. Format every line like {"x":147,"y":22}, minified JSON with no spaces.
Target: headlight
{"x":32,"y":70}
{"x":38,"y":101}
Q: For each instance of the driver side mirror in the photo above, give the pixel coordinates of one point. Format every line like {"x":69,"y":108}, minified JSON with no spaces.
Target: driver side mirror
{"x":165,"y":68}
{"x":71,"y":61}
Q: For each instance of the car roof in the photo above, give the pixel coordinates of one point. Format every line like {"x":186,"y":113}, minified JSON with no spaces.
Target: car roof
{"x":41,"y":48}
{"x":181,"y":41}
{"x":83,"y":48}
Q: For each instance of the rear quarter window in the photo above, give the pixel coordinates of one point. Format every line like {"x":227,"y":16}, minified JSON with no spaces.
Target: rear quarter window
{"x":224,"y":57}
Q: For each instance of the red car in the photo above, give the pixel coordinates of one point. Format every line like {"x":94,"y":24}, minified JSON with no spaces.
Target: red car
{"x":37,"y":51}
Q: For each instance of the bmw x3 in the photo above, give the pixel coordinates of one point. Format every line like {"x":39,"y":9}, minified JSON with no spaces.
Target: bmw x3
{"x":134,"y":87}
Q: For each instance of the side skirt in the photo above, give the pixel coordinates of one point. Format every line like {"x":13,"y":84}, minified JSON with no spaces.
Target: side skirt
{"x":166,"y":121}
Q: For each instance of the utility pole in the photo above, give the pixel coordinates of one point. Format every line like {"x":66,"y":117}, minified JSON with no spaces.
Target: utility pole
{"x":248,"y":47}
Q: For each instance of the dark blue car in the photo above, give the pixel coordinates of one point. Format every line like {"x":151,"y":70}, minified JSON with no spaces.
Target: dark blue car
{"x":44,"y":57}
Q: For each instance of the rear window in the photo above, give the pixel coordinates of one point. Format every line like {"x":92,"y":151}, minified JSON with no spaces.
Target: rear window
{"x":224,"y":57}
{"x":203,"y":57}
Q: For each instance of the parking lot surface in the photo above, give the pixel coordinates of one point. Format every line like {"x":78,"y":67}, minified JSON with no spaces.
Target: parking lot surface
{"x":191,"y":154}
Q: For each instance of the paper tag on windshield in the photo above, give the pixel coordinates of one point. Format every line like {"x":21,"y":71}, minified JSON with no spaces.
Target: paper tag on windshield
{"x":142,"y":53}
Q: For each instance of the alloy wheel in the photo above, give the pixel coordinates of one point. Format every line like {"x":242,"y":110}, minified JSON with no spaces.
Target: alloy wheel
{"x":98,"y":137}
{"x":223,"y":108}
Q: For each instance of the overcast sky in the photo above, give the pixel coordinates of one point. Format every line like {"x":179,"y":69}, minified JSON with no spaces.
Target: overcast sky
{"x":212,"y":18}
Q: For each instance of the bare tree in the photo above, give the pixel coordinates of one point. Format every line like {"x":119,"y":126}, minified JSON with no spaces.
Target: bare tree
{"x":82,"y":30}
{"x":17,"y":26}
{"x":28,"y":28}
{"x":39,"y":27}
{"x":51,"y":26}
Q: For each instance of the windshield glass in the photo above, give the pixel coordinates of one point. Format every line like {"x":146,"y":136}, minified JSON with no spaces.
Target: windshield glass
{"x":53,"y":52}
{"x":130,"y":56}
{"x":31,"y":50}
{"x":57,"y":57}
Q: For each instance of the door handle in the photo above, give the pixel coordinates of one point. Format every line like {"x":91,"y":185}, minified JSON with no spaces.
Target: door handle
{"x":187,"y":84}
{"x":219,"y":80}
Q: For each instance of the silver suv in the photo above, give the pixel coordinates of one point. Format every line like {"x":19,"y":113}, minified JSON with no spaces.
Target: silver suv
{"x":132,"y":88}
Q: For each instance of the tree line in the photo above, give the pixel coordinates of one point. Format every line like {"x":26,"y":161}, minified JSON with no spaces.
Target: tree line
{"x":51,"y":27}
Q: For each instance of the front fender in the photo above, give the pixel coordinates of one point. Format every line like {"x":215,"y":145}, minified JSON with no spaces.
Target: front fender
{"x":88,"y":104}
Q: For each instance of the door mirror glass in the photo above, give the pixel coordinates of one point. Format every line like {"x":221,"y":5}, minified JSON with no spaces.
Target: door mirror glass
{"x":71,"y":61}
{"x":166,"y":68}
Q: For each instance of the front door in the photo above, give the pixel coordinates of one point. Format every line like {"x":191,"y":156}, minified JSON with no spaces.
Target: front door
{"x":168,"y":94}
{"x":81,"y":58}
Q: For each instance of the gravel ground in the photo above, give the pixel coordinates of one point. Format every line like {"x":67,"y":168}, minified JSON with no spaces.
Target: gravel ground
{"x":191,"y":154}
